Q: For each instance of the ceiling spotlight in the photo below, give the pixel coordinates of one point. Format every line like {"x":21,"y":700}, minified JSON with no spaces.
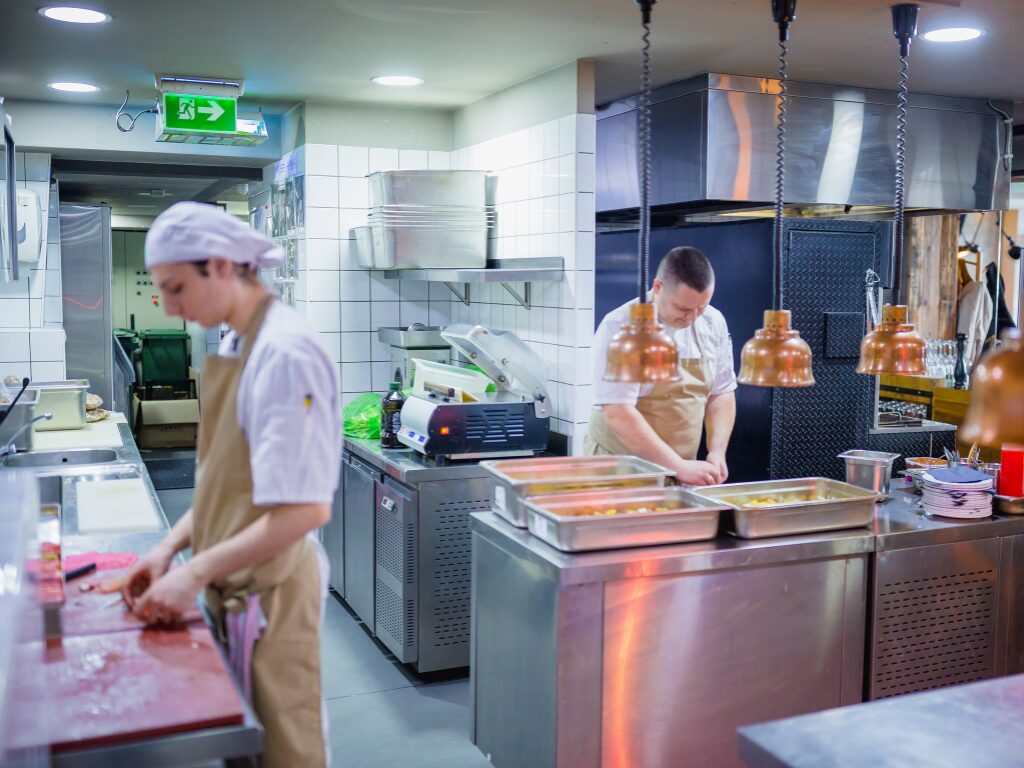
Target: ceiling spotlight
{"x":74,"y":87}
{"x":397,"y":80}
{"x":74,"y":15}
{"x":953,"y":34}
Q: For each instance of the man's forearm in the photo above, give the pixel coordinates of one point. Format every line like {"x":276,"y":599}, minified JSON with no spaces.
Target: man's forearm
{"x":639,"y":437}
{"x":719,"y":419}
{"x":265,"y":538}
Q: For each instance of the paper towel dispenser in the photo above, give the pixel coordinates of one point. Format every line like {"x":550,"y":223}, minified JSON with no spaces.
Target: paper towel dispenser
{"x":30,"y":226}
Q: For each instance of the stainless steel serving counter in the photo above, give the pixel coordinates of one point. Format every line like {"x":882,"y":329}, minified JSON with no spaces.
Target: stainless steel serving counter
{"x":975,"y":725}
{"x":654,"y":656}
{"x":187,"y":748}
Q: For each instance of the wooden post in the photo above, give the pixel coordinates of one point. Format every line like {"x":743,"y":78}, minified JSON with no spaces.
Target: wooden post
{"x":931,"y":274}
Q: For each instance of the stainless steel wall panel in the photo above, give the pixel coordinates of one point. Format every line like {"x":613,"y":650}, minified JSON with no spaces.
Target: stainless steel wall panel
{"x":444,"y":569}
{"x":86,"y":265}
{"x":684,"y":667}
{"x":933,"y":617}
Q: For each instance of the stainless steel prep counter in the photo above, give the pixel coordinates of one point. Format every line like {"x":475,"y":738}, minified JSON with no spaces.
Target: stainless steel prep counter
{"x":975,"y":725}
{"x":186,"y":748}
{"x":655,"y":656}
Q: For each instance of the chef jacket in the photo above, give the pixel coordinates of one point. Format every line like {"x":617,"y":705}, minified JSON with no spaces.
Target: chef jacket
{"x":289,"y":411}
{"x":715,"y":343}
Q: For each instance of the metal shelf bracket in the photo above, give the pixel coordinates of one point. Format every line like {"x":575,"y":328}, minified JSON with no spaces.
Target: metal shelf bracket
{"x":524,"y":299}
{"x":464,"y":295}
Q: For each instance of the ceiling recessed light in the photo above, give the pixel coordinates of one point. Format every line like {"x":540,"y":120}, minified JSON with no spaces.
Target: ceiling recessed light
{"x":74,"y":15}
{"x":952,"y":34}
{"x":399,"y":80}
{"x":74,"y":87}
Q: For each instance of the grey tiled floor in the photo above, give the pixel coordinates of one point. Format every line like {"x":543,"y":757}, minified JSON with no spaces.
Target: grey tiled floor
{"x":381,"y":713}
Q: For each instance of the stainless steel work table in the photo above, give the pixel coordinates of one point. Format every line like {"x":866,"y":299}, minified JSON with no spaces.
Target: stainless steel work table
{"x":186,"y":748}
{"x":407,"y":466}
{"x":976,"y":725}
{"x":654,"y":656}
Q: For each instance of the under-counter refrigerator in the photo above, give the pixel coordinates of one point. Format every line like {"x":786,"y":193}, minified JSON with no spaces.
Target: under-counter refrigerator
{"x":85,"y":265}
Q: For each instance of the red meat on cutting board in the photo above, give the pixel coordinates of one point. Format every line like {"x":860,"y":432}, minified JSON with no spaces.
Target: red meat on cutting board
{"x":120,"y":686}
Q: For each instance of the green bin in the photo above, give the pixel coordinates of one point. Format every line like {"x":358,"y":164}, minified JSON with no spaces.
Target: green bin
{"x":164,"y":355}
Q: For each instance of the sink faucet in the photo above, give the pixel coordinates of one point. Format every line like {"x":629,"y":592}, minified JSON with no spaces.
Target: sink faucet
{"x":8,"y":449}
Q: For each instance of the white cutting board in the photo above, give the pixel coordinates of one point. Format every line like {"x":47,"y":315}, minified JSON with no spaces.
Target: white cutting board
{"x":101,"y":434}
{"x":123,"y":505}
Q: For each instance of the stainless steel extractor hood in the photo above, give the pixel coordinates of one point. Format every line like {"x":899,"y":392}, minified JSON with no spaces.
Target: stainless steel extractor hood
{"x":714,"y":148}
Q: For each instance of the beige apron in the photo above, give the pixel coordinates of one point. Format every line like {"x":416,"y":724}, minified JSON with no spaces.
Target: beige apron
{"x":674,"y":409}
{"x":285,"y":661}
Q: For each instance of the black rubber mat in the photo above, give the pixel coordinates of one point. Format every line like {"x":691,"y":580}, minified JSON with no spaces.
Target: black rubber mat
{"x":169,"y":474}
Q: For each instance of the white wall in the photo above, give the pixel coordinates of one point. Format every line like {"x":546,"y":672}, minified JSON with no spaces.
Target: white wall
{"x":31,"y":330}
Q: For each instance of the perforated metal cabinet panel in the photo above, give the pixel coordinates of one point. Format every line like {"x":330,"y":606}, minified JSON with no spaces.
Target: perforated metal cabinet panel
{"x":396,"y":577}
{"x":934,"y":616}
{"x":444,"y":569}
{"x":824,"y":265}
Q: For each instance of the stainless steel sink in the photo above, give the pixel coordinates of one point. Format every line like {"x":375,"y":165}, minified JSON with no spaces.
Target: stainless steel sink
{"x":61,"y":458}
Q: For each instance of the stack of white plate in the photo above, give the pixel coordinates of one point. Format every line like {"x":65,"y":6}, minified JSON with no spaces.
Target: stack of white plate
{"x":959,"y":492}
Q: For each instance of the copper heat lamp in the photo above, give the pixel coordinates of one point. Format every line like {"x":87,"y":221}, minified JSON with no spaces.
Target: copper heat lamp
{"x":777,"y":356}
{"x":642,"y":351}
{"x":996,"y":413}
{"x":894,"y":346}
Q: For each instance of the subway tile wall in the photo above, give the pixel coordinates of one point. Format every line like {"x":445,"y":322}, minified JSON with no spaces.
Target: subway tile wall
{"x":31,"y":329}
{"x":544,"y":201}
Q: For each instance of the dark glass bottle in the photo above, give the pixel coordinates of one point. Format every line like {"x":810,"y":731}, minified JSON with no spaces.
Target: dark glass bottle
{"x":960,"y":370}
{"x":391,"y":415}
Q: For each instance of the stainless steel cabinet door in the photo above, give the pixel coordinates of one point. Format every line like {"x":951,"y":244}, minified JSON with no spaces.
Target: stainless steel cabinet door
{"x":332,"y":536}
{"x":359,"y":540}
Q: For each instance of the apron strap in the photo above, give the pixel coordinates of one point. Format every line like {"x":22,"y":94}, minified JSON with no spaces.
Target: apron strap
{"x":256,"y":325}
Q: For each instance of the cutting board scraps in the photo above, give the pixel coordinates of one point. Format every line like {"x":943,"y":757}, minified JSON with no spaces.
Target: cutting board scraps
{"x":104,"y":562}
{"x":121,"y":686}
{"x":120,"y":505}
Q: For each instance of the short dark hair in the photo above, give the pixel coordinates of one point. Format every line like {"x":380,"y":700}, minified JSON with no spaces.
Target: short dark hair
{"x":688,"y":266}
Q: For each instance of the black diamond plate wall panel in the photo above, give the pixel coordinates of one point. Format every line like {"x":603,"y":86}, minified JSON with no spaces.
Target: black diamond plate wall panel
{"x":843,"y":333}
{"x":824,"y":264}
{"x":910,"y":444}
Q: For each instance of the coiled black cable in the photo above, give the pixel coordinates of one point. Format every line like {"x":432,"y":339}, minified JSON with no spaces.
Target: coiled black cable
{"x":902,"y":111}
{"x":780,"y":170}
{"x":644,"y":127}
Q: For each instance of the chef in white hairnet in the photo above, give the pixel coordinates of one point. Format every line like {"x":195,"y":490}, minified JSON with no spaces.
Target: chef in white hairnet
{"x":268,"y":457}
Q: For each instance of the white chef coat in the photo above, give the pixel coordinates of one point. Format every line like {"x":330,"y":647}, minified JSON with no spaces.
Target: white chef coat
{"x":715,"y":344}
{"x":974,"y":316}
{"x":295,"y":448}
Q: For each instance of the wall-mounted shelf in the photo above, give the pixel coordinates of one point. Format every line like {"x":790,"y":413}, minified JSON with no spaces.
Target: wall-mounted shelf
{"x":501,"y":271}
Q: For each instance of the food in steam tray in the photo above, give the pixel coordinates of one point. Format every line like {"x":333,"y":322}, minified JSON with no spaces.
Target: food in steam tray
{"x":774,"y":501}
{"x":612,"y":511}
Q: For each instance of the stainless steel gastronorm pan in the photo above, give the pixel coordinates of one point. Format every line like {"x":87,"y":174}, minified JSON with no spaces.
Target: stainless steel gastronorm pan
{"x":803,"y":505}
{"x":517,"y":479}
{"x":577,"y":522}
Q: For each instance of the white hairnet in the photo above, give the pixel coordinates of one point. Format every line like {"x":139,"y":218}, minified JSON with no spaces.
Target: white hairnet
{"x":191,"y":231}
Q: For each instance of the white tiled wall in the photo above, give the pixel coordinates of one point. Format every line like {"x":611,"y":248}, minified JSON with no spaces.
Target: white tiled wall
{"x":31,"y":330}
{"x":545,"y":207}
{"x":346,"y":303}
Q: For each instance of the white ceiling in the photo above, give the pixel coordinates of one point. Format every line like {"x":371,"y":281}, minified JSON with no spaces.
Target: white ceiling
{"x":288,"y":52}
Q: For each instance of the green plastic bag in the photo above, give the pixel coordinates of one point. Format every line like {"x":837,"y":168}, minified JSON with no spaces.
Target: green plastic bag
{"x":361,"y":417}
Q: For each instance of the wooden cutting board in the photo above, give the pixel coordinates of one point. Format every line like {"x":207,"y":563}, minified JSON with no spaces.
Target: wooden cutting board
{"x":117,"y":687}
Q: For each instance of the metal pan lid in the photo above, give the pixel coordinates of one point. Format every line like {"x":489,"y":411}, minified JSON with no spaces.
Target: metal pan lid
{"x":503,"y":356}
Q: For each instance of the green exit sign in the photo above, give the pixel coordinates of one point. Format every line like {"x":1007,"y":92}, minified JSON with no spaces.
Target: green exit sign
{"x":209,"y":114}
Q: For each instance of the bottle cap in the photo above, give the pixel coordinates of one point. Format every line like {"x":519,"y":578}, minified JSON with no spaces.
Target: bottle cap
{"x":394,"y":386}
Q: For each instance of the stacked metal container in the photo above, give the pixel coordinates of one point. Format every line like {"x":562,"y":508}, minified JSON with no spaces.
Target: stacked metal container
{"x":425,"y":219}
